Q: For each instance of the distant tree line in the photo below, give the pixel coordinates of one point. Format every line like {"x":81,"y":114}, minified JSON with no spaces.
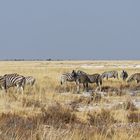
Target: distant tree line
{"x":31,"y":59}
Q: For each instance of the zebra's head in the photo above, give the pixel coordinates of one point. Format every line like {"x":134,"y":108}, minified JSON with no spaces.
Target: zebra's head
{"x":124,"y":75}
{"x":74,"y":74}
{"x":124,"y":72}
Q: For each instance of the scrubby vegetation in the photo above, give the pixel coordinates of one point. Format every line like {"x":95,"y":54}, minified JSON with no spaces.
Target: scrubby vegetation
{"x":51,"y":111}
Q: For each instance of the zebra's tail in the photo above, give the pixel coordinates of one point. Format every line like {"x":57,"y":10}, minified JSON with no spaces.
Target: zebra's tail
{"x":5,"y":84}
{"x":23,"y":82}
{"x":62,"y":81}
{"x":33,"y":82}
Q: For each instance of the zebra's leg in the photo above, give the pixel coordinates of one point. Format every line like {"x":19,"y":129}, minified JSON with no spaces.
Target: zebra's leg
{"x":83,"y":86}
{"x":124,"y":79}
{"x":101,"y":82}
{"x":78,"y":86}
{"x":21,"y":89}
{"x":6,"y":90}
{"x":61,"y":81}
{"x":17,"y":89}
{"x":87,"y":87}
{"x":33,"y":83}
{"x":117,"y":76}
{"x":97,"y":83}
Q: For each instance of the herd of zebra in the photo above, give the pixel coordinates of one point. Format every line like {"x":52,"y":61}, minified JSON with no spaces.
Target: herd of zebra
{"x":80,"y":77}
{"x":16,"y":80}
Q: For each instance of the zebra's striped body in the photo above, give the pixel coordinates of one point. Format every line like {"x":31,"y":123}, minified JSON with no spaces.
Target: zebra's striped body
{"x":134,"y":77}
{"x":110,"y":74}
{"x":30,"y":80}
{"x":124,"y":75}
{"x":67,"y":77}
{"x":14,"y":80}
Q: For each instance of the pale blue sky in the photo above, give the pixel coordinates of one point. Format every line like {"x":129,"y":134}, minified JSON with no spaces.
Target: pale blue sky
{"x":74,"y":29}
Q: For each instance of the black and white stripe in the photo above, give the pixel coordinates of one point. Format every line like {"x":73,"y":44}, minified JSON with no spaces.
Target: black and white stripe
{"x":67,"y":77}
{"x":14,"y":80}
{"x":110,"y":74}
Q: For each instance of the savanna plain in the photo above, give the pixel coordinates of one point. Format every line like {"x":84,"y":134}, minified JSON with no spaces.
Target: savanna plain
{"x":51,"y":111}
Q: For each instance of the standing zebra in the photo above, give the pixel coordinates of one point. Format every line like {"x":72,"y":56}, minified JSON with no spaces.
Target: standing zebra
{"x":14,"y":80}
{"x":30,"y":80}
{"x":67,"y":77}
{"x":110,"y":74}
{"x":84,"y":78}
{"x":134,"y":77}
{"x":3,"y":80}
{"x":124,"y":75}
{"x":93,"y":78}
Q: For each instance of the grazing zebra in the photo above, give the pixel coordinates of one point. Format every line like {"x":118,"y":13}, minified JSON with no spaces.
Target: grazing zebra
{"x":14,"y":80}
{"x":84,"y":78}
{"x":124,"y":75}
{"x":110,"y":74}
{"x":67,"y":77}
{"x":30,"y":80}
{"x":3,"y":81}
{"x":134,"y":77}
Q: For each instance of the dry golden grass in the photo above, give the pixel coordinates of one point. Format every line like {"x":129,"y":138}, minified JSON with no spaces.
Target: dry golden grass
{"x":51,"y":111}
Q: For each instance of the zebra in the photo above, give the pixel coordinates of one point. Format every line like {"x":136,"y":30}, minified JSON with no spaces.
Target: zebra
{"x":110,"y":74}
{"x":14,"y":80}
{"x":124,"y":75}
{"x":30,"y":80}
{"x":93,"y":78}
{"x":85,"y":79}
{"x":3,"y":81}
{"x":67,"y":77}
{"x":134,"y":77}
